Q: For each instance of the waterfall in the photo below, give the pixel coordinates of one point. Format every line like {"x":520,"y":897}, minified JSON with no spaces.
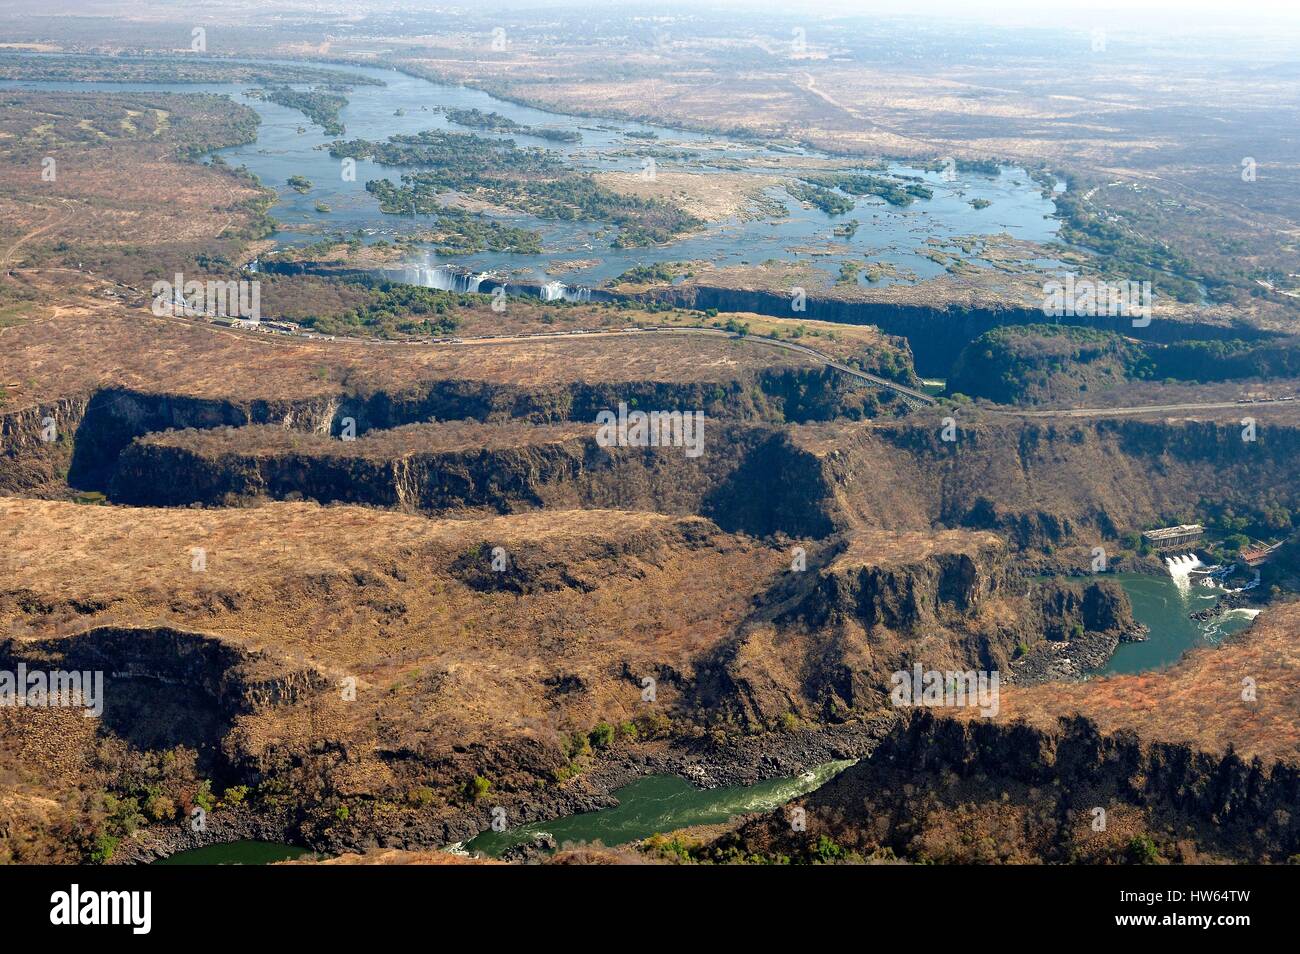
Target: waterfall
{"x":458,"y":278}
{"x":451,"y":278}
{"x":1180,"y":569}
{"x":555,"y":291}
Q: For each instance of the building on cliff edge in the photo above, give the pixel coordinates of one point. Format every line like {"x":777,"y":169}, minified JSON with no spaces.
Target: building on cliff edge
{"x":1174,"y":538}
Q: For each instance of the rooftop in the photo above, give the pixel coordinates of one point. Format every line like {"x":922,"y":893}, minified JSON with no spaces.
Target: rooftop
{"x":1167,"y":533}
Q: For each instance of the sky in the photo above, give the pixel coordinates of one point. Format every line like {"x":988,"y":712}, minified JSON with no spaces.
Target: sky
{"x":1175,"y":14}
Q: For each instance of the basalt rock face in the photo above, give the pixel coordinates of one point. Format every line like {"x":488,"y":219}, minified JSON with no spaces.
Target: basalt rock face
{"x":93,"y":430}
{"x":936,"y":335}
{"x":827,"y":643}
{"x":163,"y":687}
{"x":1098,"y":607}
{"x":1036,"y":364}
{"x":35,"y":445}
{"x":1041,"y":484}
{"x":1081,"y":625}
{"x":236,"y":679}
{"x":962,"y":791}
{"x":906,"y":596}
{"x":747,"y":477}
{"x":112,"y":418}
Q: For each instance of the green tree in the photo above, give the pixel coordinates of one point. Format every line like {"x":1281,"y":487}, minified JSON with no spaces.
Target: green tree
{"x":479,"y":787}
{"x":601,"y":736}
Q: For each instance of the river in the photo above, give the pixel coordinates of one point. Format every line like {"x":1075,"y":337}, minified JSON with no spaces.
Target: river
{"x":662,"y":803}
{"x":650,"y":805}
{"x":289,"y":144}
{"x":657,"y":804}
{"x":1163,"y":605}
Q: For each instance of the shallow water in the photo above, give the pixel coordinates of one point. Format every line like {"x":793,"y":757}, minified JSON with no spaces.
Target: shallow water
{"x":885,"y":233}
{"x":660,"y":803}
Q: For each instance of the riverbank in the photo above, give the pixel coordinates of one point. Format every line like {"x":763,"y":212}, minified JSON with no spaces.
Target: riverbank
{"x":704,"y":762}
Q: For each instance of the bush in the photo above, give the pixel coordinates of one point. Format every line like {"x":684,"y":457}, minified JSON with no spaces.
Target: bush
{"x":577,"y":746}
{"x":828,"y":850}
{"x":601,"y":736}
{"x":204,"y":798}
{"x":105,"y":845}
{"x":1142,"y":851}
{"x":479,"y":787}
{"x":160,"y":808}
{"x":652,"y":725}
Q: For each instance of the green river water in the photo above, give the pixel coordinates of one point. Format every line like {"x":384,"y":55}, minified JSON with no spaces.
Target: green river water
{"x":661,"y":803}
{"x":1163,"y":606}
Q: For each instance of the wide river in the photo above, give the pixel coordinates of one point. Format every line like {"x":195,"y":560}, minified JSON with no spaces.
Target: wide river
{"x":289,"y":144}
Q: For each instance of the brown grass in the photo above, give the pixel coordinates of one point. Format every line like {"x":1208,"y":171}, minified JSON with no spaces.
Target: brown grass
{"x":379,"y":595}
{"x":106,"y":346}
{"x":1198,"y":700}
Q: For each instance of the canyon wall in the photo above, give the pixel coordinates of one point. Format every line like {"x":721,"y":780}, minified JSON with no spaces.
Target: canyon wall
{"x":936,"y":335}
{"x":940,"y":789}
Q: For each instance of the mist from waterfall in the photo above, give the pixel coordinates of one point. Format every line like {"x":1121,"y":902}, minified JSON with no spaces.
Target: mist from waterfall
{"x":1181,"y":566}
{"x":444,"y":277}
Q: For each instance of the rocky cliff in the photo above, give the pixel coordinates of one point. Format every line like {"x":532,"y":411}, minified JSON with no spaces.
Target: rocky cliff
{"x":942,"y":790}
{"x":1044,"y":483}
{"x":936,"y":335}
{"x":94,"y":429}
{"x":747,"y":477}
{"x":827,"y":641}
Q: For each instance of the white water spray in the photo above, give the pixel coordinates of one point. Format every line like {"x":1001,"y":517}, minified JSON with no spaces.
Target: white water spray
{"x":1180,"y":569}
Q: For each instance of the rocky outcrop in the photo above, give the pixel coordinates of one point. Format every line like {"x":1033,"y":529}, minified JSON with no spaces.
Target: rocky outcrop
{"x":747,"y":478}
{"x":36,"y":444}
{"x":231,"y":678}
{"x":1045,"y":484}
{"x":948,"y":790}
{"x":1036,"y":364}
{"x":95,"y":429}
{"x":1082,"y":625}
{"x":936,"y":335}
{"x":827,"y":644}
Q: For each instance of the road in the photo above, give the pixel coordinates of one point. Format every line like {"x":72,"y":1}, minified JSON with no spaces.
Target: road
{"x":910,"y":395}
{"x":1147,"y":408}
